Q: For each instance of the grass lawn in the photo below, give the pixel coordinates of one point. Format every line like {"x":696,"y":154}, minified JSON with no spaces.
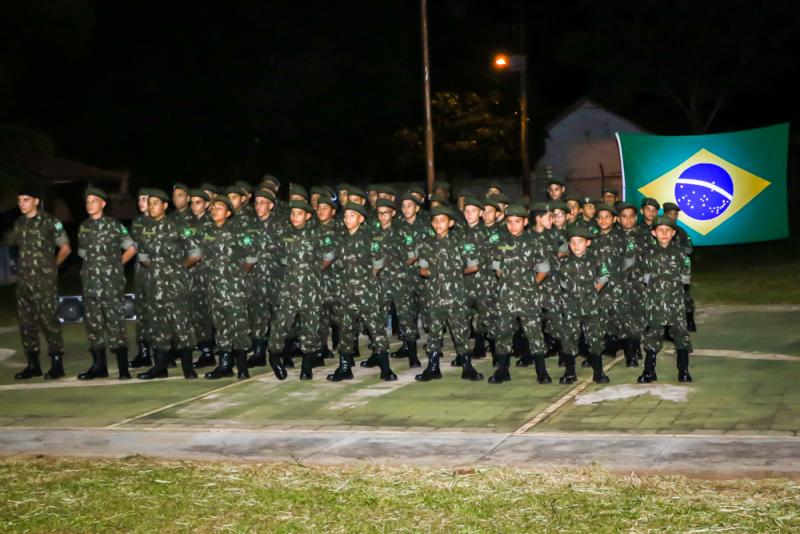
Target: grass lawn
{"x":137,"y":495}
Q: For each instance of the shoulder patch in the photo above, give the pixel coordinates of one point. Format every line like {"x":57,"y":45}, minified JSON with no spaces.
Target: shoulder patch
{"x":59,"y":226}
{"x":494,"y":238}
{"x":631,"y":244}
{"x":469,"y":247}
{"x":327,"y":240}
{"x":603,"y":269}
{"x":188,"y":232}
{"x":687,"y":261}
{"x":408,"y":239}
{"x":247,"y":240}
{"x":375,"y":247}
{"x":594,"y":229}
{"x":123,"y":230}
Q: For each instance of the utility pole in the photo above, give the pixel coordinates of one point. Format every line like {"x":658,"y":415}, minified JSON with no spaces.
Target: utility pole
{"x":426,"y":75}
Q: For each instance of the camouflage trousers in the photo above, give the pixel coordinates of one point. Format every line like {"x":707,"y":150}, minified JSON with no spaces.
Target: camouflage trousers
{"x":104,"y":318}
{"x":171,"y":324}
{"x":654,"y":336}
{"x":199,"y":309}
{"x":610,"y":303}
{"x":575,"y":323}
{"x":139,"y":304}
{"x":293,"y":315}
{"x":261,"y":309}
{"x":480,"y":295}
{"x":229,"y":317}
{"x":401,"y":294}
{"x":688,"y":299}
{"x":37,"y":308}
{"x":326,"y":319}
{"x":455,"y":318}
{"x":361,"y":304}
{"x":523,"y":309}
{"x":630,"y":311}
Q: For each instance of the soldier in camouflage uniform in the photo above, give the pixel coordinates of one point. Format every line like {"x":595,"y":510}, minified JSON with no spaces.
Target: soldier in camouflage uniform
{"x":140,"y":277}
{"x":521,"y":264}
{"x":200,"y":313}
{"x":683,"y":240}
{"x":267,"y":275}
{"x":37,"y":234}
{"x":167,"y":250}
{"x":582,"y":275}
{"x":610,"y":246}
{"x":329,"y":228}
{"x":180,"y":201}
{"x":299,"y":299}
{"x":494,"y":231}
{"x":630,"y":310}
{"x":444,"y":260}
{"x":359,"y":257}
{"x":665,"y":271}
{"x":556,"y":189}
{"x":100,"y":240}
{"x":228,"y":256}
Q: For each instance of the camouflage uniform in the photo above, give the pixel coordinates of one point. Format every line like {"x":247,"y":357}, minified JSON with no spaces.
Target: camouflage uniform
{"x":480,"y":287}
{"x":665,"y":271}
{"x":103,"y":280}
{"x":200,"y":314}
{"x":413,"y":235}
{"x":394,"y":277}
{"x":611,"y":249}
{"x":140,"y":279}
{"x":330,"y":280}
{"x":549,"y":291}
{"x":37,"y":287}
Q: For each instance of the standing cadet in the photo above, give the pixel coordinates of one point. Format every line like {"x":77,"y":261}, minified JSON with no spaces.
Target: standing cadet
{"x":610,"y":246}
{"x":37,"y":234}
{"x":683,"y":240}
{"x":200,"y":318}
{"x":180,"y":201}
{"x":167,"y":250}
{"x":521,"y":264}
{"x":268,"y":273}
{"x":444,"y":260}
{"x":228,"y":256}
{"x":556,"y":189}
{"x":142,"y":358}
{"x":100,"y":238}
{"x":494,"y":231}
{"x":582,"y":276}
{"x":481,"y":286}
{"x":630,"y":309}
{"x":666,"y":270}
{"x":329,"y":229}
{"x":360,"y":259}
{"x":649,"y":211}
{"x":299,"y":299}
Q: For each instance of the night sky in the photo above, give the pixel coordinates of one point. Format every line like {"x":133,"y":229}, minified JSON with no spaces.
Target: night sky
{"x":314,"y":91}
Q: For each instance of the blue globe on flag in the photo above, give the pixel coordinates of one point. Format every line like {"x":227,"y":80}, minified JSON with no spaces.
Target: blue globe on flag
{"x":704,"y":191}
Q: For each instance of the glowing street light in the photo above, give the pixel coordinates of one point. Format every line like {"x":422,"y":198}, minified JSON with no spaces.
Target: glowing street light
{"x":501,"y":61}
{"x":517,"y":63}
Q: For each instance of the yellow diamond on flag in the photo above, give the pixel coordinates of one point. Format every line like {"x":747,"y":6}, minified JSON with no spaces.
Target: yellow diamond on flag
{"x":708,"y":189}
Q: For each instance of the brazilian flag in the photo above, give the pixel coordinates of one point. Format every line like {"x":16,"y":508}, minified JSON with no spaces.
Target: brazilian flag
{"x":731,"y":187}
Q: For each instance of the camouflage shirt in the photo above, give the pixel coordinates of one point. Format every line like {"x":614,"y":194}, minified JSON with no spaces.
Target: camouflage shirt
{"x":301,"y":255}
{"x":225,"y":251}
{"x":358,"y":255}
{"x":99,"y":244}
{"x":163,"y":246}
{"x":36,"y":238}
{"x":519,"y":258}
{"x":446,"y":258}
{"x":665,"y":271}
{"x":578,"y":277}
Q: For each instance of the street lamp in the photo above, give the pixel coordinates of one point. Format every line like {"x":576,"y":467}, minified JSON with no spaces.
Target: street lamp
{"x":517,"y":63}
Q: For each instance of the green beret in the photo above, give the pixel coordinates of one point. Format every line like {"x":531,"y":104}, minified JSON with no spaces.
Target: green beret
{"x":205,"y":186}
{"x":317,"y":190}
{"x":575,"y":199}
{"x":441,"y":199}
{"x":264,"y":193}
{"x":610,"y":190}
{"x":245,"y":186}
{"x":324,"y":199}
{"x":589,"y":200}
{"x":142,"y":192}
{"x":650,"y":201}
{"x":605,"y":207}
{"x":490,"y":201}
{"x":385,"y":189}
{"x":443,"y":210}
{"x":539,"y":208}
{"x":199,"y":193}
{"x":300,"y":205}
{"x":472,"y":201}
{"x":495,"y":185}
{"x":222,"y":199}
{"x":358,"y":208}
{"x":181,"y":186}
{"x":554,"y":180}
{"x":501,"y":198}
{"x":412,"y":198}
{"x":235,"y":189}
{"x":624,"y":206}
{"x":343,"y":187}
{"x":160,"y":193}
{"x":416,"y":188}
{"x":665,"y":221}
{"x":578,"y":230}
{"x":269,"y":179}
{"x":356,"y":192}
{"x":385,"y":203}
{"x":441,"y":185}
{"x":558,"y":205}
{"x":97,"y":192}
{"x":670,"y":206}
{"x":297,"y":189}
{"x":516,"y":210}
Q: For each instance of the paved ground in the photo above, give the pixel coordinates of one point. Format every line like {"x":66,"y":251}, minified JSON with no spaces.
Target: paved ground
{"x":708,"y":456}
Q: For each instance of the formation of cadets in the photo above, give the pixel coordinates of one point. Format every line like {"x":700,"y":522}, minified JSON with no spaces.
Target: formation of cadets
{"x":237,"y":271}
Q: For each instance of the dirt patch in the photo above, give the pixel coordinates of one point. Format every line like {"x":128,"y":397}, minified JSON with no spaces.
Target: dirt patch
{"x":626,"y":391}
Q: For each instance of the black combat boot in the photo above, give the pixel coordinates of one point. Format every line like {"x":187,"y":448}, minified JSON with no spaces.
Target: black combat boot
{"x":432,"y":371}
{"x":224,"y":368}
{"x":187,"y":367}
{"x":206,"y":358}
{"x":370,"y":362}
{"x":682,"y":356}
{"x":525,"y":357}
{"x":343,"y":372}
{"x":387,"y":375}
{"x":690,"y":324}
{"x":458,"y":361}
{"x":326,"y":353}
{"x":277,"y":365}
{"x":612,"y":345}
{"x":259,"y":357}
{"x":492,"y":350}
{"x":413,"y":360}
{"x":172,"y":356}
{"x":468,"y":372}
{"x":99,"y":369}
{"x":598,"y":375}
{"x":142,"y":358}
{"x":569,"y":376}
{"x":542,"y":376}
{"x":317,"y":358}
{"x":122,"y":362}
{"x":403,"y":351}
{"x":56,"y":366}
{"x":307,"y":366}
{"x":356,"y":352}
{"x":240,"y":357}
{"x":159,"y":369}
{"x":629,"y":346}
{"x":501,"y":374}
{"x":334,"y":337}
{"x":290,"y":348}
{"x":480,"y":347}
{"x":32,"y":368}
{"x":649,"y":373}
